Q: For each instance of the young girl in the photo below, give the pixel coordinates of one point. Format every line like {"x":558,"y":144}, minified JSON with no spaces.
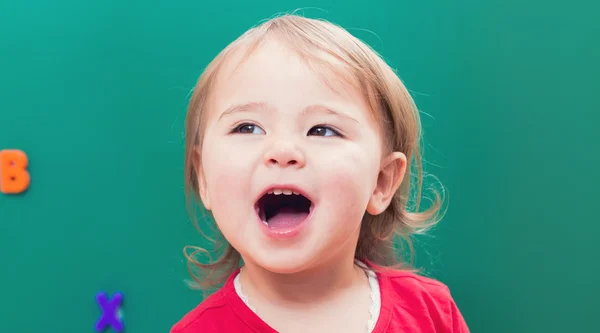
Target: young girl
{"x":299,"y":142}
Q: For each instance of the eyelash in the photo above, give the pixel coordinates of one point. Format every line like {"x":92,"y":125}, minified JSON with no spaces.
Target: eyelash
{"x":236,"y":128}
{"x":327,"y":127}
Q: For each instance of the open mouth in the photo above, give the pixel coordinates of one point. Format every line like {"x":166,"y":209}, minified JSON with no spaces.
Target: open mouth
{"x":283,"y":209}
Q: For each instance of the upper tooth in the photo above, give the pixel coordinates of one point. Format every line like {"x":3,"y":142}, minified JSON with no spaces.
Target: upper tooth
{"x":283,"y":191}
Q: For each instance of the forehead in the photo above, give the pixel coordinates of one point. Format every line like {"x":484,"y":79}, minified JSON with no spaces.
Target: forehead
{"x":273,"y":73}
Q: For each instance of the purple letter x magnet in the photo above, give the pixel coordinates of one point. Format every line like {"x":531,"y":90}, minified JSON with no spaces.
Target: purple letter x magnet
{"x":110,"y":312}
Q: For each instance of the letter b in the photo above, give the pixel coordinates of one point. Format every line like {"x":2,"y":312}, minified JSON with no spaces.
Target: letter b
{"x":14,"y":177}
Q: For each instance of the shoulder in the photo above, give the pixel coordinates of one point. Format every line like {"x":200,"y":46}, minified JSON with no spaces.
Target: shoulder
{"x":410,"y":283}
{"x":206,"y":316}
{"x":421,"y":301}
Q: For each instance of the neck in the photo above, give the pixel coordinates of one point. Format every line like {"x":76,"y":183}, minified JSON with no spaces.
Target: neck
{"x":311,"y":286}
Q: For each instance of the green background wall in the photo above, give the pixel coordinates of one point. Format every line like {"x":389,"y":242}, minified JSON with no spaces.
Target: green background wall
{"x":95,"y":93}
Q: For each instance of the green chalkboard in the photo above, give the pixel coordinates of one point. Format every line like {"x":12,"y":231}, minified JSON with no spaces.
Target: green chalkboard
{"x":95,"y":93}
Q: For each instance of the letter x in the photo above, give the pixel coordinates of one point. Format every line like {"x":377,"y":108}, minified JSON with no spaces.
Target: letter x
{"x":110,"y":310}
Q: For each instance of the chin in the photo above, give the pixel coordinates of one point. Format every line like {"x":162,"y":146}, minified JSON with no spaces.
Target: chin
{"x":284,"y":262}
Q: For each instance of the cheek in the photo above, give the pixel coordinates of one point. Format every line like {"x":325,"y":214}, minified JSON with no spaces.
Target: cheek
{"x":227,"y":172}
{"x":348,"y":182}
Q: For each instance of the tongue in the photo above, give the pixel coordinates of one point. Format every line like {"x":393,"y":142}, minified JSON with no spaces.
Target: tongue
{"x":286,"y":218}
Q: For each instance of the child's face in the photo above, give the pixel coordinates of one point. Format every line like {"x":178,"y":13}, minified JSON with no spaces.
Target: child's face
{"x":290,"y":139}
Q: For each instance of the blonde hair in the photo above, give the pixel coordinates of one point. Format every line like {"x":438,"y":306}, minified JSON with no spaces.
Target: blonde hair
{"x":332,"y":52}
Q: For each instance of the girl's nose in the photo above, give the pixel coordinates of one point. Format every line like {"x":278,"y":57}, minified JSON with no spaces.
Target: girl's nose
{"x":284,"y":154}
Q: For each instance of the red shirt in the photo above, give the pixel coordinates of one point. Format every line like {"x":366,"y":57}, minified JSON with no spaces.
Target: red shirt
{"x":409,"y":303}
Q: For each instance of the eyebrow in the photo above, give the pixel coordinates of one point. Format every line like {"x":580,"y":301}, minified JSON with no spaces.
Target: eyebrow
{"x":316,"y":108}
{"x":322,"y":108}
{"x":243,"y":108}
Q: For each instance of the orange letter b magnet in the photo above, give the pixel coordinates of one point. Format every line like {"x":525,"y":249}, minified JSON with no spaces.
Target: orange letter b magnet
{"x":14,"y":177}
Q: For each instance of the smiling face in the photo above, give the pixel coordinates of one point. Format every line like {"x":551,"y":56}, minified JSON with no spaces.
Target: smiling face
{"x":289,"y":165}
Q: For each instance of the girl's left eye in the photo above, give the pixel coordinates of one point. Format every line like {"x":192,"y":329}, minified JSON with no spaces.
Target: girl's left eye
{"x":323,"y":131}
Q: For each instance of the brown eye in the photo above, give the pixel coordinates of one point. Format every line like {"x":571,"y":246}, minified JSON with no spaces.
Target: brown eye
{"x":323,"y":131}
{"x":248,"y":129}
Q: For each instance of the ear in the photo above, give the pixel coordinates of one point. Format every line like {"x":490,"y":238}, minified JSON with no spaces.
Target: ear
{"x":389,"y":179}
{"x":202,"y":189}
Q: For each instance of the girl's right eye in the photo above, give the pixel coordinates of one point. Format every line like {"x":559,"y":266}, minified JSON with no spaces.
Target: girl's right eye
{"x":247,"y":128}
